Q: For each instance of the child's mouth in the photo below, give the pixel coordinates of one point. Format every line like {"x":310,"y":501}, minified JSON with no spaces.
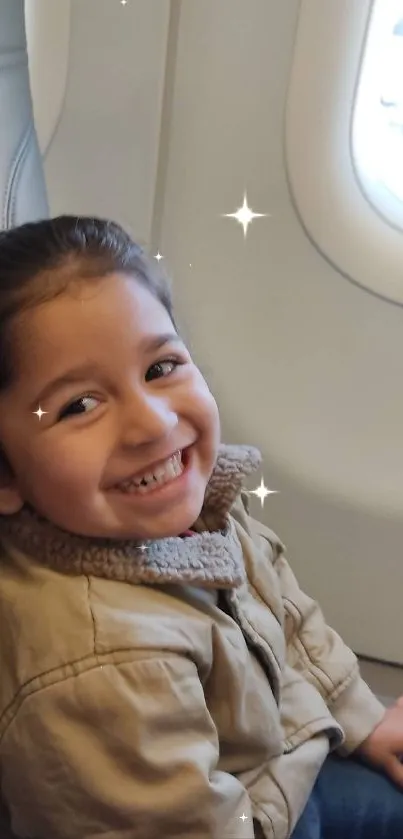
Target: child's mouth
{"x":168,"y":480}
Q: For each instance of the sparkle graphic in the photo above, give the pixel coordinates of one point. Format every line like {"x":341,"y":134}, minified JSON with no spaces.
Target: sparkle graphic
{"x":244,"y":215}
{"x":143,"y":548}
{"x":243,"y":817}
{"x":40,"y":413}
{"x":262,"y":492}
{"x":123,"y":2}
{"x":158,"y":256}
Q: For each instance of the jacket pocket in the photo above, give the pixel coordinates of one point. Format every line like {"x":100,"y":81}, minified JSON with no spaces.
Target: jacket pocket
{"x":280,"y":794}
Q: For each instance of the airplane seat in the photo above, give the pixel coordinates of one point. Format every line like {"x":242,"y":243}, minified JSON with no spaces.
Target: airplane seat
{"x":22,"y":180}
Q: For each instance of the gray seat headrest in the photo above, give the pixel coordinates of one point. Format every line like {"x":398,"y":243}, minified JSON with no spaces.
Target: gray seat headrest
{"x":22,"y":182}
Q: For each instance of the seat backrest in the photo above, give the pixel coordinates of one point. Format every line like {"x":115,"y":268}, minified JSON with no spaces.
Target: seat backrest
{"x":22,"y":182}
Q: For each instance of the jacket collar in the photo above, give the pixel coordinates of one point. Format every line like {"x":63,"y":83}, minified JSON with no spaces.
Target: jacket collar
{"x":213,"y":558}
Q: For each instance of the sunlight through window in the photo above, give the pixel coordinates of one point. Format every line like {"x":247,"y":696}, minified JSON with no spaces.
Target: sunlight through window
{"x":377,"y":135}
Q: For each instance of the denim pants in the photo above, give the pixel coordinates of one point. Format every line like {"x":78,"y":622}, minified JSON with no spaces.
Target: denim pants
{"x":351,"y":801}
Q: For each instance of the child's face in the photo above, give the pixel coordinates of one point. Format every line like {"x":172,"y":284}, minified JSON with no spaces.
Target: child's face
{"x":135,"y":408}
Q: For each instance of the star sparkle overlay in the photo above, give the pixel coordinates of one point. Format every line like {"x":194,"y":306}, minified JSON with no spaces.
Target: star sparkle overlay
{"x":143,"y":547}
{"x":39,"y":413}
{"x":244,"y":215}
{"x":261,"y":492}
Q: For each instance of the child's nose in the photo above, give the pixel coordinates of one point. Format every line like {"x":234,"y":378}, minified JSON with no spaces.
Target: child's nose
{"x":147,"y":417}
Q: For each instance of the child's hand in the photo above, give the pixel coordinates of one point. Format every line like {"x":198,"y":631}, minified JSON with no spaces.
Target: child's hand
{"x":384,"y":747}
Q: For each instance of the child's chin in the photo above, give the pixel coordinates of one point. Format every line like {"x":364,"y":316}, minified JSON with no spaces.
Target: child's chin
{"x":173,"y":525}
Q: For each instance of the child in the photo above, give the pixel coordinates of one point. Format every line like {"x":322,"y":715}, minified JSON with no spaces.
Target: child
{"x":162,"y":674}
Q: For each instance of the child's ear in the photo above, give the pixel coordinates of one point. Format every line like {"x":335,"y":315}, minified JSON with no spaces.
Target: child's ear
{"x":10,"y":498}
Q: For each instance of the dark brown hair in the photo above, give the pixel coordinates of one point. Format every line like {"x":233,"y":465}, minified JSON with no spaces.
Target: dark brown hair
{"x":40,"y":259}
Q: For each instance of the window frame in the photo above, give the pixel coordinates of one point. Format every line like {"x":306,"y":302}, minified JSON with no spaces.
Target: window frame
{"x":338,"y":215}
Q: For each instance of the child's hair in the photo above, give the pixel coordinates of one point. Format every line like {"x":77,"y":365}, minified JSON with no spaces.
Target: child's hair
{"x":39,"y":260}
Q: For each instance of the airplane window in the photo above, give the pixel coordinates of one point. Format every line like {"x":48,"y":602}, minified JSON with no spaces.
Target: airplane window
{"x":378,"y":117}
{"x":344,"y":138}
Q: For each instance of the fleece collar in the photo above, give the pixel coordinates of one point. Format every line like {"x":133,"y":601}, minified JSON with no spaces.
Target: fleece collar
{"x":212,"y":558}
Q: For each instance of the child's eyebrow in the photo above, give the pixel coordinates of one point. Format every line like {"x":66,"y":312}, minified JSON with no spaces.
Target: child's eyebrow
{"x":88,"y":370}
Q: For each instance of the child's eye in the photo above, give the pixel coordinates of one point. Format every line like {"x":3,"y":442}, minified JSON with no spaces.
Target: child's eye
{"x":79,"y":405}
{"x":76,"y":407}
{"x":160,"y":364}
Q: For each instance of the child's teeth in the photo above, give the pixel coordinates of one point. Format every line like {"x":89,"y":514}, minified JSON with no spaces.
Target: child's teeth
{"x":163,"y":473}
{"x":159,"y":471}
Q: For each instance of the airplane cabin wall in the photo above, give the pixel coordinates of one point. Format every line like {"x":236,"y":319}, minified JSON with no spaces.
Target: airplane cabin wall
{"x":167,"y":114}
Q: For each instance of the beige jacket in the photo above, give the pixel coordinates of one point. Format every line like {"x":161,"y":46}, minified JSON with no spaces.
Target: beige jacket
{"x":190,"y":691}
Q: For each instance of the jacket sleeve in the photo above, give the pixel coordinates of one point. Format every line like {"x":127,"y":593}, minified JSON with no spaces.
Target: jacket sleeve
{"x":125,"y":751}
{"x":319,"y":653}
